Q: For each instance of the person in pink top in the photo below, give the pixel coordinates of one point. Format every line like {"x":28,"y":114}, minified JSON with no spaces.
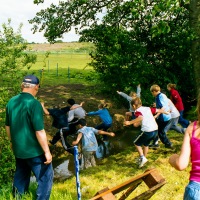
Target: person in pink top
{"x":177,"y":101}
{"x":190,"y":151}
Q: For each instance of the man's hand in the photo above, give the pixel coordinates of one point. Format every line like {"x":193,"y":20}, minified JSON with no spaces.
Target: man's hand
{"x":48,"y":157}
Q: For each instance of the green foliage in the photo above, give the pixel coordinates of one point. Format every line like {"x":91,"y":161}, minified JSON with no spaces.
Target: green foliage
{"x":137,"y":41}
{"x":13,"y":58}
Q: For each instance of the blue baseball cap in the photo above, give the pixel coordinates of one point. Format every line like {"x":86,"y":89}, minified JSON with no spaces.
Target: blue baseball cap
{"x":31,"y":79}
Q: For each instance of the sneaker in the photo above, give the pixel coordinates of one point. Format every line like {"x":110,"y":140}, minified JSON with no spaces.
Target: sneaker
{"x":169,"y":146}
{"x":137,"y":160}
{"x":142,"y":162}
{"x":153,"y":146}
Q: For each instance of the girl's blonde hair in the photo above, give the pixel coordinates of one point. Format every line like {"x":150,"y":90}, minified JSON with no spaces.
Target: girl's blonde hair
{"x":133,"y":94}
{"x":102,"y":105}
{"x":171,"y":85}
{"x":136,"y":101}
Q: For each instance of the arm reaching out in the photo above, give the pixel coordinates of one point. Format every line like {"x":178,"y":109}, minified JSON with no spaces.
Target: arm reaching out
{"x":135,"y":121}
{"x":106,"y":133}
{"x":180,"y":162}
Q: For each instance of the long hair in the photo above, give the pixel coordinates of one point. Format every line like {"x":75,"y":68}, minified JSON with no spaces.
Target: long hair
{"x":171,"y":85}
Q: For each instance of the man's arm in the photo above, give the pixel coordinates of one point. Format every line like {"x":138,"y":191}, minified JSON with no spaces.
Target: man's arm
{"x":42,"y":139}
{"x":8,"y":132}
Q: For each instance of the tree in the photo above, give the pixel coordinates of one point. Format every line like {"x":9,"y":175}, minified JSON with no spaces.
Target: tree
{"x":194,"y":24}
{"x":13,"y":58}
{"x":136,"y":41}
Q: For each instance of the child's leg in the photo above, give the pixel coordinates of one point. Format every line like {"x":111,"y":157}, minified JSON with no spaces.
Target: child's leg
{"x":145,"y":150}
{"x":86,"y":158}
{"x":92,"y":159}
{"x":140,"y":150}
{"x":56,"y":137}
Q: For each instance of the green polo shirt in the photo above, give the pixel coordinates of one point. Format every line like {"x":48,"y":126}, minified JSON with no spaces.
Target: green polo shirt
{"x":24,"y":115}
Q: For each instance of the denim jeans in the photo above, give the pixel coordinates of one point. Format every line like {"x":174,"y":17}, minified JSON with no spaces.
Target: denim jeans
{"x":183,"y":122}
{"x":162,"y":132}
{"x":42,"y":172}
{"x":192,"y":191}
{"x":173,"y":126}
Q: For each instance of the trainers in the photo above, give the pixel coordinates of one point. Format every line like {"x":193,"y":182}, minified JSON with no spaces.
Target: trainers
{"x":154,"y":146}
{"x":169,"y":146}
{"x":137,"y":160}
{"x":143,"y":160}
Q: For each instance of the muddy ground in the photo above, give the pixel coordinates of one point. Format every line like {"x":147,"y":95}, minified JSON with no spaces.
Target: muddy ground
{"x":55,"y":96}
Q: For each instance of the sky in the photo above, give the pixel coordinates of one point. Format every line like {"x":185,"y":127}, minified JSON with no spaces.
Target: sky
{"x":20,"y":11}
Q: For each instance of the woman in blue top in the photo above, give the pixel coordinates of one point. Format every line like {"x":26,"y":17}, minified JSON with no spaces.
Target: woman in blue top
{"x":104,"y":114}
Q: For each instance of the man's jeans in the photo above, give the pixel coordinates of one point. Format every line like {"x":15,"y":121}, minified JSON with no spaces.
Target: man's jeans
{"x":42,"y":172}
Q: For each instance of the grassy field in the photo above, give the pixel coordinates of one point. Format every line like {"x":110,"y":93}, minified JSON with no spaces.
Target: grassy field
{"x":120,"y":166}
{"x":66,"y":63}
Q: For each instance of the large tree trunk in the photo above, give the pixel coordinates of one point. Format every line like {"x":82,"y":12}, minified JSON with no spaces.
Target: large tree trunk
{"x":195,"y":26}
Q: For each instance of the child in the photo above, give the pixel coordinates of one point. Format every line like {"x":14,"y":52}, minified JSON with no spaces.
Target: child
{"x":163,"y":119}
{"x":177,"y":100}
{"x":60,"y":121}
{"x":149,"y":128}
{"x":104,"y":114}
{"x":129,"y":99}
{"x":89,"y":142}
{"x":190,"y":151}
{"x":75,"y":114}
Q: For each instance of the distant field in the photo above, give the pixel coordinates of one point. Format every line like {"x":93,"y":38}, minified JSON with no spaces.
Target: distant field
{"x":66,"y":63}
{"x":62,"y":55}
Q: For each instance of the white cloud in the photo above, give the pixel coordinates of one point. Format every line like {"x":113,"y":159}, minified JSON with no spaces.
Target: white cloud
{"x":20,"y":11}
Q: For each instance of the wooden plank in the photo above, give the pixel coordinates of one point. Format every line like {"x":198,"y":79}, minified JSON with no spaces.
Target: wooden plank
{"x":129,"y":191}
{"x":108,"y":196}
{"x":153,"y":179}
{"x":136,"y":180}
{"x":149,"y":193}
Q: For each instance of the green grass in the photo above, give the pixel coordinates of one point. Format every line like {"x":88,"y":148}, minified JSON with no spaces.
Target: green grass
{"x":121,"y":167}
{"x":62,"y":61}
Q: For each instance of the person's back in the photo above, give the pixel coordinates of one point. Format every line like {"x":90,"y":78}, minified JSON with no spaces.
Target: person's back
{"x":23,"y":120}
{"x":148,"y":122}
{"x":89,"y":142}
{"x":25,"y":129}
{"x":79,"y":112}
{"x":173,"y":110}
{"x":59,"y":118}
{"x":104,"y":114}
{"x":162,"y":102}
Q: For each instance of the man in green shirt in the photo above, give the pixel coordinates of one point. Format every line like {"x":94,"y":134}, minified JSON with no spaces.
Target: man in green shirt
{"x":25,"y":129}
